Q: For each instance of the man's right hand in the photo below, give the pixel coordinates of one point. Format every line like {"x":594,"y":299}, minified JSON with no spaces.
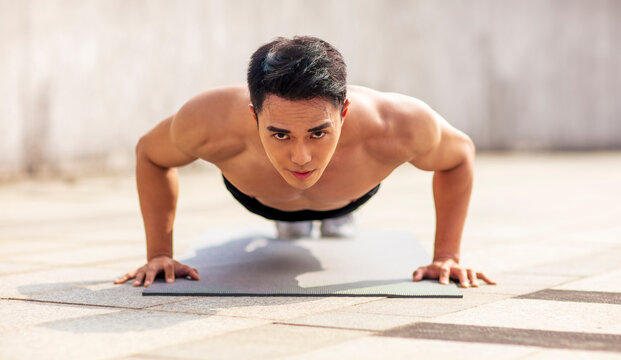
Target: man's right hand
{"x":148,"y":272}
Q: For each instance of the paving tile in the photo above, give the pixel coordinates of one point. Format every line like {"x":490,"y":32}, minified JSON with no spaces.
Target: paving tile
{"x":507,"y":336}
{"x":350,"y":320}
{"x":106,"y":294}
{"x":24,"y":285}
{"x":116,"y":334}
{"x":534,"y":256}
{"x":516,"y":283}
{"x":14,"y":247}
{"x":262,"y":307}
{"x":145,"y":357}
{"x":264,"y":342}
{"x":122,"y":266}
{"x":425,"y":307}
{"x":608,"y":282}
{"x":603,"y":235}
{"x":83,"y":255}
{"x":572,"y":355}
{"x":597,"y":297}
{"x":120,"y":232}
{"x":586,"y":264}
{"x":373,"y":347}
{"x":10,"y":268}
{"x":17,"y":314}
{"x":540,"y":315}
{"x":38,"y":227}
{"x":560,"y":243}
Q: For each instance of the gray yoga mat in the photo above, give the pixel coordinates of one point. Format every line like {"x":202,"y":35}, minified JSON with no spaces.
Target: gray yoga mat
{"x":254,"y":263}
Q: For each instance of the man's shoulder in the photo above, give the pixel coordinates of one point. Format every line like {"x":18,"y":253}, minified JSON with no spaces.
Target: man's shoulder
{"x":407,"y":124}
{"x":209,"y":123}
{"x":398,"y":111}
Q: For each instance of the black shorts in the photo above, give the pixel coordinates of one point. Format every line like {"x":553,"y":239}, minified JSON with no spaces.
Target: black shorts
{"x":254,"y":206}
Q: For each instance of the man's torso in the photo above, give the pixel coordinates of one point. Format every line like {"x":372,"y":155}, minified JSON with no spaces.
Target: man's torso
{"x":369,"y":149}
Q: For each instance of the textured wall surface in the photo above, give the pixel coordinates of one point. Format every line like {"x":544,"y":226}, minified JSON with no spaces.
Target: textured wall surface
{"x":80,"y":81}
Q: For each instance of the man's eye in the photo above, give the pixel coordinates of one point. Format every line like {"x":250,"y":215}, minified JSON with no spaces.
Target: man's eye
{"x":280,"y":136}
{"x":318,"y":134}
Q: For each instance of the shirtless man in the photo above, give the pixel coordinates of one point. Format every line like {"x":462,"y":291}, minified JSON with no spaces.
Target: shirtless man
{"x":297,"y":144}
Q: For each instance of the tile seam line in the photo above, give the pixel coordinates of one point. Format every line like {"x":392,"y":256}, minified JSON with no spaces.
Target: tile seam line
{"x":70,"y":303}
{"x":575,"y":277}
{"x":270,"y":320}
{"x":95,"y":218}
{"x":530,"y":354}
{"x":135,"y":309}
{"x":533,"y":353}
{"x":59,"y":266}
{"x":326,"y":327}
{"x":569,"y":259}
{"x":568,"y":281}
{"x":146,"y":355}
{"x":143,"y":356}
{"x":340,"y":308}
{"x":46,"y":267}
{"x":150,"y":308}
{"x":508,"y":296}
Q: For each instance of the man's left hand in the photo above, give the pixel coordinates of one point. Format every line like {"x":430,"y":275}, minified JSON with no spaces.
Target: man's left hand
{"x":443,"y":270}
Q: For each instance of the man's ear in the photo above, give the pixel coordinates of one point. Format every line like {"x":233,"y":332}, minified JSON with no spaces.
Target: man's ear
{"x":346,"y":104}
{"x":254,"y":113}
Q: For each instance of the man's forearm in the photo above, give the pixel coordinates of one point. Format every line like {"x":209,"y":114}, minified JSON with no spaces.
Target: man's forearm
{"x":157,"y":189}
{"x":452,"y":189}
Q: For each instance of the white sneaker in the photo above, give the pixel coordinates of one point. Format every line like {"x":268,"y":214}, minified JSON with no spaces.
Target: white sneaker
{"x":293,"y":230}
{"x":341,"y":227}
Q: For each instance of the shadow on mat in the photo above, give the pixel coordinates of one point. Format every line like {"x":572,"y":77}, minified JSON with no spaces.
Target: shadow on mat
{"x":256,"y":266}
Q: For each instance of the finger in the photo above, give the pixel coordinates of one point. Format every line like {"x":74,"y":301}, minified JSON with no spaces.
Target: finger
{"x":444,"y":275}
{"x":124,"y":278}
{"x":486,"y":279}
{"x":139,"y":278}
{"x":169,"y":272}
{"x":419,"y":274}
{"x":185,"y":271}
{"x":473,"y":278}
{"x":462,"y":275}
{"x":150,"y":276}
{"x":194,"y":274}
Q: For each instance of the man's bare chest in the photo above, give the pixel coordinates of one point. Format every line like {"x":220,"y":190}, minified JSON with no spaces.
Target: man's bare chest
{"x":348,"y":176}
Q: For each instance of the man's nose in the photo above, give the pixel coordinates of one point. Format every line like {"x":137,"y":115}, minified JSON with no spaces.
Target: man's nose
{"x":300,"y":154}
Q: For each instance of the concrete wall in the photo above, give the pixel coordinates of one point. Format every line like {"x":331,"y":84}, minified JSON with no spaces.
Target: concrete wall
{"x":80,"y":80}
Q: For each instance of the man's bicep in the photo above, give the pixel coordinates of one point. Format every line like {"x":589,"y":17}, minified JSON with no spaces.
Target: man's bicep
{"x":158,"y":147}
{"x":445,"y":148}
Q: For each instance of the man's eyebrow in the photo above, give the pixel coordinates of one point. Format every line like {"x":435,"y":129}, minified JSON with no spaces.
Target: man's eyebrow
{"x":320,"y":127}
{"x":278,"y":130}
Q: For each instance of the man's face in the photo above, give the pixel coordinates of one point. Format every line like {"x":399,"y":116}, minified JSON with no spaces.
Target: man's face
{"x":299,"y":137}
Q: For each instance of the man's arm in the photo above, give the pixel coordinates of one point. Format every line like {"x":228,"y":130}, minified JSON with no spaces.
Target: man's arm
{"x":201,"y":128}
{"x":450,"y":153}
{"x":156,"y":176}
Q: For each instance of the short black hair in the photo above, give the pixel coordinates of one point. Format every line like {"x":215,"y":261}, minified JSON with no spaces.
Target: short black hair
{"x":301,"y":68}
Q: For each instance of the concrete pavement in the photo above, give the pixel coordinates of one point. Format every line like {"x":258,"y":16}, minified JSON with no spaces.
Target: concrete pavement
{"x":547,"y":227}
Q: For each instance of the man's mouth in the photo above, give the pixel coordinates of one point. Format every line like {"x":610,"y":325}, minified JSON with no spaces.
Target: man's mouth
{"x":302,"y":175}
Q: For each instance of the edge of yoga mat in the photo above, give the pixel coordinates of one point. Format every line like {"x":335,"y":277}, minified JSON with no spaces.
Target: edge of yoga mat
{"x":405,"y":289}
